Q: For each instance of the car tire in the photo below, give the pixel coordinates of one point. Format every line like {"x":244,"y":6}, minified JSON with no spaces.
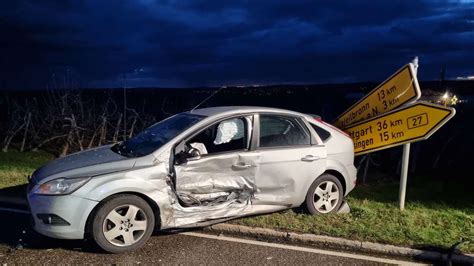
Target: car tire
{"x":325,"y":195}
{"x":122,"y":223}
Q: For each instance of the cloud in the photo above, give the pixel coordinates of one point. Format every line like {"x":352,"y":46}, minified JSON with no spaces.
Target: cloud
{"x":200,"y":43}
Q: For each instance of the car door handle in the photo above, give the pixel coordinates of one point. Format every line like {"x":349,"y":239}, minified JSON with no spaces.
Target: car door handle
{"x":241,"y":165}
{"x":309,"y":158}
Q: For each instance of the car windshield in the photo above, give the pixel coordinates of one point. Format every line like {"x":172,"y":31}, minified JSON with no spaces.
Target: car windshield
{"x":157,"y":135}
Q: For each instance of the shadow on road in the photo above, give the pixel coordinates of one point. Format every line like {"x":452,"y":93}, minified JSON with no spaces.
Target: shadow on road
{"x":21,"y":235}
{"x":15,"y":191}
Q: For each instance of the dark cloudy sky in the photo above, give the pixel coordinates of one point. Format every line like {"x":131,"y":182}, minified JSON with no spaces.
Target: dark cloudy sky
{"x":182,"y":43}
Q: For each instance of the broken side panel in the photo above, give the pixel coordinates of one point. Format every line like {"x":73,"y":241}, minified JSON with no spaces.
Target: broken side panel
{"x":230,"y":176}
{"x":186,"y":217}
{"x":215,"y":187}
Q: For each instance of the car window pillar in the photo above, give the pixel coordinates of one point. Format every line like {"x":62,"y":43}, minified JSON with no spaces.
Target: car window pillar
{"x":255,"y":140}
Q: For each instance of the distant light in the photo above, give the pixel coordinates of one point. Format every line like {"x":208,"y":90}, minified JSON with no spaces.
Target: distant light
{"x":454,"y":100}
{"x":446,"y":95}
{"x":465,"y":78}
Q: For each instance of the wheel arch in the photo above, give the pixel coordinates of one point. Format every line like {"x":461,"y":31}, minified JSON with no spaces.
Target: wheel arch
{"x":337,"y":169}
{"x":154,"y":206}
{"x":340,"y":177}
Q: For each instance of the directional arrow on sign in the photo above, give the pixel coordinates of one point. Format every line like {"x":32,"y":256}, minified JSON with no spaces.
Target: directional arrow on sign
{"x":402,"y":87}
{"x":408,"y":124}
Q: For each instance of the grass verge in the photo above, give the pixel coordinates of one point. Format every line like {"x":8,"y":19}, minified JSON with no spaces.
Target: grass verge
{"x":16,"y":166}
{"x":438,"y":213}
{"x":429,"y":221}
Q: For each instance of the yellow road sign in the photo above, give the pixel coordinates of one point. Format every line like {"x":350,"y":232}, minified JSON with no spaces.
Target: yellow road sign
{"x":402,"y":87}
{"x":407,"y":124}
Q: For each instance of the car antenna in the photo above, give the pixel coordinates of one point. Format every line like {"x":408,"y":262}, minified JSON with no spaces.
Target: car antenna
{"x":209,"y":97}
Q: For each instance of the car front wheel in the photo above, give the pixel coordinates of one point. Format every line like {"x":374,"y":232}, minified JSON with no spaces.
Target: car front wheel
{"x":122,"y":224}
{"x":325,"y":195}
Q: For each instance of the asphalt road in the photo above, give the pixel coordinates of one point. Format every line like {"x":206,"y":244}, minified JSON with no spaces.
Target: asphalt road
{"x":19,"y":244}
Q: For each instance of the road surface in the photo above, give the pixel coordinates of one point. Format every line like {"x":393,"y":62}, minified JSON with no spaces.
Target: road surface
{"x":19,"y":244}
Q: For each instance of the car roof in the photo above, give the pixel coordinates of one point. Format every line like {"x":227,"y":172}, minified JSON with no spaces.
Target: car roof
{"x":229,"y":110}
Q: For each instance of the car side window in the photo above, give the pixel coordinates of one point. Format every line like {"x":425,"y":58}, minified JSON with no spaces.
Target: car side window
{"x":225,"y":136}
{"x":322,"y":133}
{"x":276,"y":130}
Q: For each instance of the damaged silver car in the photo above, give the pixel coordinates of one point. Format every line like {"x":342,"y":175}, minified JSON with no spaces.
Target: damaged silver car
{"x":193,"y":169}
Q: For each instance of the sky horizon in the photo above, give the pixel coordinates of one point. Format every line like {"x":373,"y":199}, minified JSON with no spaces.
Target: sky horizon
{"x":176,"y":44}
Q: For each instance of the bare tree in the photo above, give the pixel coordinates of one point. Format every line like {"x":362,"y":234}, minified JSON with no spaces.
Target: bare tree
{"x":117,"y":129}
{"x":65,"y":119}
{"x":18,"y":121}
{"x":28,"y":120}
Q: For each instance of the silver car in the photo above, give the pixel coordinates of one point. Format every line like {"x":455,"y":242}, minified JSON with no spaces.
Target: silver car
{"x":193,"y":169}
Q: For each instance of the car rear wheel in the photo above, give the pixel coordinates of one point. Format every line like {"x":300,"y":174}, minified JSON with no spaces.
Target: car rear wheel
{"x":123,"y":223}
{"x":325,"y":195}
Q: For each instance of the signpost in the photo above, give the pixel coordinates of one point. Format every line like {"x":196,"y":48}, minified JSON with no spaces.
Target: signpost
{"x":382,"y":119}
{"x":402,"y":87}
{"x":404,"y":125}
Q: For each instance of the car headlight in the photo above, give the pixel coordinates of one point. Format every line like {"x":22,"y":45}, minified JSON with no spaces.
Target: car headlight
{"x":60,"y":186}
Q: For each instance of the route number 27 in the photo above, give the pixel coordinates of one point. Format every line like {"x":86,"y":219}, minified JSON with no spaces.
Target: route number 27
{"x":417,"y":121}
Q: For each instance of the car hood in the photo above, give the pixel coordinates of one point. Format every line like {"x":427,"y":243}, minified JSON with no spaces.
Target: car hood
{"x":92,"y":162}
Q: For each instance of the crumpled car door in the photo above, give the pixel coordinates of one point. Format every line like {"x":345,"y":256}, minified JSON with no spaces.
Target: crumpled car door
{"x":231,"y":174}
{"x":221,"y":173}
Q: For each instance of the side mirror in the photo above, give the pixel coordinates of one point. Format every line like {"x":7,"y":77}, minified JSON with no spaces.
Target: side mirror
{"x":194,"y":154}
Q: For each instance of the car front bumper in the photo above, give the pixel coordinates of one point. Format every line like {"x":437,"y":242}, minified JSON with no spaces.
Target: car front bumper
{"x":62,"y":216}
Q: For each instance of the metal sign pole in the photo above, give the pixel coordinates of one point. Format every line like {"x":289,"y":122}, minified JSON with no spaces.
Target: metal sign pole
{"x":405,"y":159}
{"x":404,"y":176}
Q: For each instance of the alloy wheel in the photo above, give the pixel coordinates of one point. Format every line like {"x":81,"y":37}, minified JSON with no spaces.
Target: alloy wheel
{"x":326,"y":197}
{"x":125,"y":225}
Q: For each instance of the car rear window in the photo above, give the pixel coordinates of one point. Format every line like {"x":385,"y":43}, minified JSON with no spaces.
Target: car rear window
{"x":322,"y":133}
